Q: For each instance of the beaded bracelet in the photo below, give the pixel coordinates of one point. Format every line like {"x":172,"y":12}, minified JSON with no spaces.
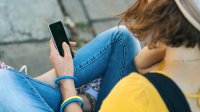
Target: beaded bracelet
{"x":69,"y":100}
{"x":57,"y":80}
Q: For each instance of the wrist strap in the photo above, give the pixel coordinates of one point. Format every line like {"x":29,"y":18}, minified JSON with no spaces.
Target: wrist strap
{"x":69,"y":100}
{"x":57,"y":80}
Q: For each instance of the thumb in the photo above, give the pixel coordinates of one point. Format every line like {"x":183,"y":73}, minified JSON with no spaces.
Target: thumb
{"x":66,"y":49}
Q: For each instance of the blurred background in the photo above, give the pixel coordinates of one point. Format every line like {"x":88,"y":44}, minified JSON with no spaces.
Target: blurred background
{"x":24,"y":33}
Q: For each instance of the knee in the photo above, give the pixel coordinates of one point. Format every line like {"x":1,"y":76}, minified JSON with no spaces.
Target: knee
{"x":123,"y":34}
{"x":8,"y":82}
{"x":129,"y":41}
{"x":5,"y":75}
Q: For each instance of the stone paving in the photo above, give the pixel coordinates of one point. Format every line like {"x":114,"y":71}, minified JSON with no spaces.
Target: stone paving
{"x":24,"y":24}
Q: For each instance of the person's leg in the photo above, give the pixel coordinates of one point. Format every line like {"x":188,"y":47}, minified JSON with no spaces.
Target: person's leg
{"x":110,"y":55}
{"x":93,"y":60}
{"x":18,"y":94}
{"x":120,"y":64}
{"x":107,"y":49}
{"x":21,"y":93}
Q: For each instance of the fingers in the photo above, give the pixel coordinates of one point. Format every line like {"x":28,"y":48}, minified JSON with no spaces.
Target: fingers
{"x":72,"y":43}
{"x":54,"y":51}
{"x":66,"y":49}
{"x":52,"y":47}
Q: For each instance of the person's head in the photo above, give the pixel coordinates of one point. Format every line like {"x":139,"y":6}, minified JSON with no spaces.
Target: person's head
{"x":162,"y":21}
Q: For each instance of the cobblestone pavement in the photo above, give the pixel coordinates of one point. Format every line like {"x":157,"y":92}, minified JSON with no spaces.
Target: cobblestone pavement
{"x":24,"y":24}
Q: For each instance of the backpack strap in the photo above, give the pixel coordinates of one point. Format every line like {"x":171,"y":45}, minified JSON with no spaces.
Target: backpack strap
{"x":170,"y":92}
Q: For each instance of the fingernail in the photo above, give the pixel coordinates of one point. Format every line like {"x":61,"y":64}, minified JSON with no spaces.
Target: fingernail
{"x":64,"y":43}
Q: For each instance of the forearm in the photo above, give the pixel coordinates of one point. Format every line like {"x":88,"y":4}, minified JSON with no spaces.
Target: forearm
{"x":48,"y":77}
{"x":68,"y":89}
{"x":148,"y":57}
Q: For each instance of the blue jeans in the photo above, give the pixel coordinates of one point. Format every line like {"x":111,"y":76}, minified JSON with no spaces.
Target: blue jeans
{"x":110,"y":56}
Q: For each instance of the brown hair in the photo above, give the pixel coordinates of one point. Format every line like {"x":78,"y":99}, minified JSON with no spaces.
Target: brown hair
{"x":161,"y":21}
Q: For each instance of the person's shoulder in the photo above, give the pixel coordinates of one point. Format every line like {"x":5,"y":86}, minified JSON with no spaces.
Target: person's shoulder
{"x":132,"y":84}
{"x":137,"y":77}
{"x":134,"y":81}
{"x":134,"y":93}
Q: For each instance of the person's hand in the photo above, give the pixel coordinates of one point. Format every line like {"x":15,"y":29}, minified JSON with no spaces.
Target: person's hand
{"x":63,"y":65}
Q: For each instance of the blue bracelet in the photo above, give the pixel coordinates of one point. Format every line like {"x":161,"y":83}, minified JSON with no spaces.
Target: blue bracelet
{"x":71,"y":101}
{"x":57,"y":80}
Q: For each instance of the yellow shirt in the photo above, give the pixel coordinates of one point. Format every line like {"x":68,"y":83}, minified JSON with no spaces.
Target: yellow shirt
{"x":134,"y":93}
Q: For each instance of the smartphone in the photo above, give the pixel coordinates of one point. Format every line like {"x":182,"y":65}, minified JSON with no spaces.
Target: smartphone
{"x":59,"y":36}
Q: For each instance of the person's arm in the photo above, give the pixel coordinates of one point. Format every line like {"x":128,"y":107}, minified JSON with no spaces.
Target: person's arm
{"x":50,"y":75}
{"x":68,"y":89}
{"x":49,"y":78}
{"x":148,"y":57}
{"x":64,"y":67}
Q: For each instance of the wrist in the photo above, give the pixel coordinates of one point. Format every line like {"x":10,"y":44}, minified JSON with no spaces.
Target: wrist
{"x":65,"y":74}
{"x":64,"y":79}
{"x":66,"y":82}
{"x":67,"y":88}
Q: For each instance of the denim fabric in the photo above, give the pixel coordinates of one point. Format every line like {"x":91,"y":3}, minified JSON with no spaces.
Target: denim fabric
{"x":18,"y":94}
{"x":109,"y":55}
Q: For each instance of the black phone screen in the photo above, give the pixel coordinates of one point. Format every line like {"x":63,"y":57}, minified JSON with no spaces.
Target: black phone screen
{"x":59,"y":36}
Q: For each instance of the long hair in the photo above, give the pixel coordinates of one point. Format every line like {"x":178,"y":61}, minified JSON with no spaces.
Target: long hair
{"x":160,"y":21}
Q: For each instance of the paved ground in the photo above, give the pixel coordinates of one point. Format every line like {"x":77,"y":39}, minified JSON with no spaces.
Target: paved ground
{"x":24,"y":24}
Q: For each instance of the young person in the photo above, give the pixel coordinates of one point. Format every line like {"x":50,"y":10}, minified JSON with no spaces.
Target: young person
{"x":109,"y":56}
{"x":172,"y":29}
